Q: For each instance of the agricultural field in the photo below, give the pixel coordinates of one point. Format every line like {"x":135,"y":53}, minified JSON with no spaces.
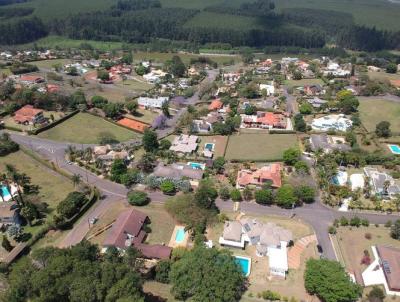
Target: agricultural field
{"x":297,"y":83}
{"x":374,"y":110}
{"x":259,"y":147}
{"x":84,"y":128}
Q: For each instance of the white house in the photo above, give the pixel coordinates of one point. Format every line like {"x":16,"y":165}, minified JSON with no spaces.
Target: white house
{"x":153,"y":103}
{"x":336,"y":122}
{"x":269,"y":88}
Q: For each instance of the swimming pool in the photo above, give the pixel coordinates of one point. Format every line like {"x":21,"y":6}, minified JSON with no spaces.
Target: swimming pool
{"x":394,"y":148}
{"x":197,"y":166}
{"x":209,"y":146}
{"x":5,"y":192}
{"x":244,"y":263}
{"x":180,"y":235}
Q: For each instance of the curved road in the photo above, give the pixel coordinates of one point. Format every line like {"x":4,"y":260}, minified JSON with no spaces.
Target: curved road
{"x":317,"y":215}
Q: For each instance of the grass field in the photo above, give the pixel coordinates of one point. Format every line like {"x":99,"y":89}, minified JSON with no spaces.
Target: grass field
{"x":383,"y":76}
{"x":84,"y":128}
{"x":268,"y":147}
{"x":144,"y":115}
{"x":135,"y":85}
{"x":373,"y":111}
{"x":297,"y":83}
{"x":48,"y":64}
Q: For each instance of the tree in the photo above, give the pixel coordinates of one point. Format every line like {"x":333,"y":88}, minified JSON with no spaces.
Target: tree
{"x":223,"y":281}
{"x":165,"y":144}
{"x":250,"y":110}
{"x":391,"y":68}
{"x":118,"y":168}
{"x":376,"y":294}
{"x":127,"y":58}
{"x":291,"y":156}
{"x":112,"y":110}
{"x":285,"y":196}
{"x":76,"y":179}
{"x":30,"y":212}
{"x":299,"y":123}
{"x":71,"y":204}
{"x":218,"y":164}
{"x":247,"y":194}
{"x":297,"y":75}
{"x":163,"y":269}
{"x":132,"y":106}
{"x":103,"y":75}
{"x":383,"y":129}
{"x":347,"y":102}
{"x":6,"y":244}
{"x":150,"y":141}
{"x":168,"y":187}
{"x":330,"y":282}
{"x":395,"y":230}
{"x":176,"y":67}
{"x":147,"y":162}
{"x":302,"y":167}
{"x":236,"y":195}
{"x":99,"y":101}
{"x":138,"y":198}
{"x":206,"y":194}
{"x":306,"y":108}
{"x":165,"y":109}
{"x":264,"y":196}
{"x":305,"y":193}
{"x":224,"y":193}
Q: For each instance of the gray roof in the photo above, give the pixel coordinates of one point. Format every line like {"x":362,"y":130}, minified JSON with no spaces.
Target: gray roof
{"x":322,"y":141}
{"x":176,"y":171}
{"x":232,"y":231}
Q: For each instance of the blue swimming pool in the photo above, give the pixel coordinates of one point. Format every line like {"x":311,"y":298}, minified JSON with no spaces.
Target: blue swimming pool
{"x":197,"y":166}
{"x":209,"y":146}
{"x":180,"y":235}
{"x":6,"y":194}
{"x":244,"y":263}
{"x":395,"y":149}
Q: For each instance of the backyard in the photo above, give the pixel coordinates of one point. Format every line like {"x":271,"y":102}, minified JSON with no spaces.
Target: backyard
{"x":297,"y":83}
{"x":9,"y":120}
{"x":84,"y":128}
{"x":219,"y":141}
{"x":144,"y":115}
{"x":374,"y":110}
{"x":259,"y":147}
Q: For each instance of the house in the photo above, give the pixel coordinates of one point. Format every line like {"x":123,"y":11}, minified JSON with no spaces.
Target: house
{"x":264,"y":120}
{"x":154,"y":76}
{"x":127,"y":230}
{"x":9,"y":214}
{"x":176,"y":171}
{"x":373,"y":68}
{"x":357,"y":181}
{"x":152,"y":103}
{"x":31,"y":79}
{"x":231,"y":78}
{"x":313,"y":89}
{"x":205,"y":124}
{"x":215,"y":105}
{"x":270,"y":240}
{"x":269,"y":88}
{"x":109,"y":157}
{"x":184,"y":144}
{"x":382,"y":184}
{"x":337,"y":122}
{"x":317,"y":102}
{"x":384,"y":270}
{"x":29,"y":115}
{"x":327,"y":143}
{"x":270,"y":173}
{"x":133,"y":124}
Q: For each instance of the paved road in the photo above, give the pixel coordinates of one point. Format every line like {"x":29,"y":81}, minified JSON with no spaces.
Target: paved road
{"x":291,"y":106}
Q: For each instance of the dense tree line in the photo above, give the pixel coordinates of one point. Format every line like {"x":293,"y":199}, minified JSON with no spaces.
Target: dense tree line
{"x":11,"y":12}
{"x":125,"y":5}
{"x":22,"y":31}
{"x":8,"y":2}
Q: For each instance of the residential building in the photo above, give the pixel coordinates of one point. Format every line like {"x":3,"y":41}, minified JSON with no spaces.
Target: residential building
{"x":328,"y":143}
{"x":204,"y":124}
{"x":29,"y":115}
{"x":384,"y":270}
{"x":382,"y":184}
{"x":30,"y":79}
{"x":215,"y":105}
{"x":184,"y":144}
{"x":127,"y":230}
{"x":152,"y":103}
{"x":269,"y":88}
{"x":313,"y":90}
{"x":154,"y":76}
{"x":9,"y":213}
{"x":337,"y":122}
{"x":317,"y":102}
{"x":270,"y":240}
{"x":265,"y":120}
{"x":267,"y":174}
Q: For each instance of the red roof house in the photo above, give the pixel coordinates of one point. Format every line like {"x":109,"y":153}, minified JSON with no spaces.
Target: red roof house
{"x":28,"y":115}
{"x":268,"y":120}
{"x":128,"y":231}
{"x":215,"y":105}
{"x":270,"y":173}
{"x":32,"y":79}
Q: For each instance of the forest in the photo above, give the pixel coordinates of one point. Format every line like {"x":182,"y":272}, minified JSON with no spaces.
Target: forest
{"x":139,"y":21}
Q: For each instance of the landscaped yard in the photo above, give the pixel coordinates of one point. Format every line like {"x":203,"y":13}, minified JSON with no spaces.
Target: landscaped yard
{"x":372,"y":111}
{"x":144,"y":115}
{"x":219,"y":141}
{"x":297,"y":83}
{"x":9,"y":120}
{"x":268,"y":147}
{"x":85,"y":128}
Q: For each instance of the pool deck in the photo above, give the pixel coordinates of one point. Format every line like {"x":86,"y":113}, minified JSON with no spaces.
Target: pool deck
{"x":391,"y":148}
{"x":173,"y":243}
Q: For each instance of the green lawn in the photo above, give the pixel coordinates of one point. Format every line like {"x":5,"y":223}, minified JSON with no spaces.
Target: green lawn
{"x":48,"y":64}
{"x":135,"y":85}
{"x":373,"y":111}
{"x":268,"y":147}
{"x":297,"y":83}
{"x":383,"y":76}
{"x":84,"y":128}
{"x":144,"y":115}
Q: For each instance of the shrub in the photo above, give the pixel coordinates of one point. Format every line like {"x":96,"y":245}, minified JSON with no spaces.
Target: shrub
{"x":365,"y":222}
{"x":344,"y":221}
{"x":138,"y":198}
{"x":388,"y":224}
{"x":368,"y":236}
{"x":270,"y":295}
{"x":224,"y":193}
{"x":236,"y":195}
{"x":168,"y":187}
{"x":162,"y":271}
{"x":264,"y":196}
{"x":332,"y":230}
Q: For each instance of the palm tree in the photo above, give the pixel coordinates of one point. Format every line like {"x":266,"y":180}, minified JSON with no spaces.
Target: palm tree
{"x":16,"y":178}
{"x":76,"y":179}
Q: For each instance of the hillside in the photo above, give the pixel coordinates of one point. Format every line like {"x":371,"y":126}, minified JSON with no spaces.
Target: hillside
{"x":255,"y":23}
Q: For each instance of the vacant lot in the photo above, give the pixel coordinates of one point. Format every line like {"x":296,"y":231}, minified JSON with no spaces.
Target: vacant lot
{"x":374,"y":110}
{"x":84,"y":128}
{"x":297,"y":83}
{"x":137,"y":84}
{"x":268,"y":147}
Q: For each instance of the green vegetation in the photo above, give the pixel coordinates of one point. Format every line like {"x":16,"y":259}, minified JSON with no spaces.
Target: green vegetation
{"x":138,"y":198}
{"x":373,"y":111}
{"x":259,"y":147}
{"x":85,"y":128}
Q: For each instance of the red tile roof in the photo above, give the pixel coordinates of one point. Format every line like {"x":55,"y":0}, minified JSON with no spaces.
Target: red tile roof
{"x":133,"y":124}
{"x":26,"y":114}
{"x":276,"y":120}
{"x":390,"y":262}
{"x":271,"y":172}
{"x":395,"y":83}
{"x":215,"y":105}
{"x":52,"y":88}
{"x":31,"y":78}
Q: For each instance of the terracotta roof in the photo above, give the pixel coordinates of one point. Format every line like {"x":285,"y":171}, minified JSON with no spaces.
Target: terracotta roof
{"x":390,"y":262}
{"x":395,"y":83}
{"x":52,"y":88}
{"x":155,"y":251}
{"x":273,"y":119}
{"x":133,"y":124}
{"x":31,"y":78}
{"x":26,"y":114}
{"x":215,"y":105}
{"x":271,"y":173}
